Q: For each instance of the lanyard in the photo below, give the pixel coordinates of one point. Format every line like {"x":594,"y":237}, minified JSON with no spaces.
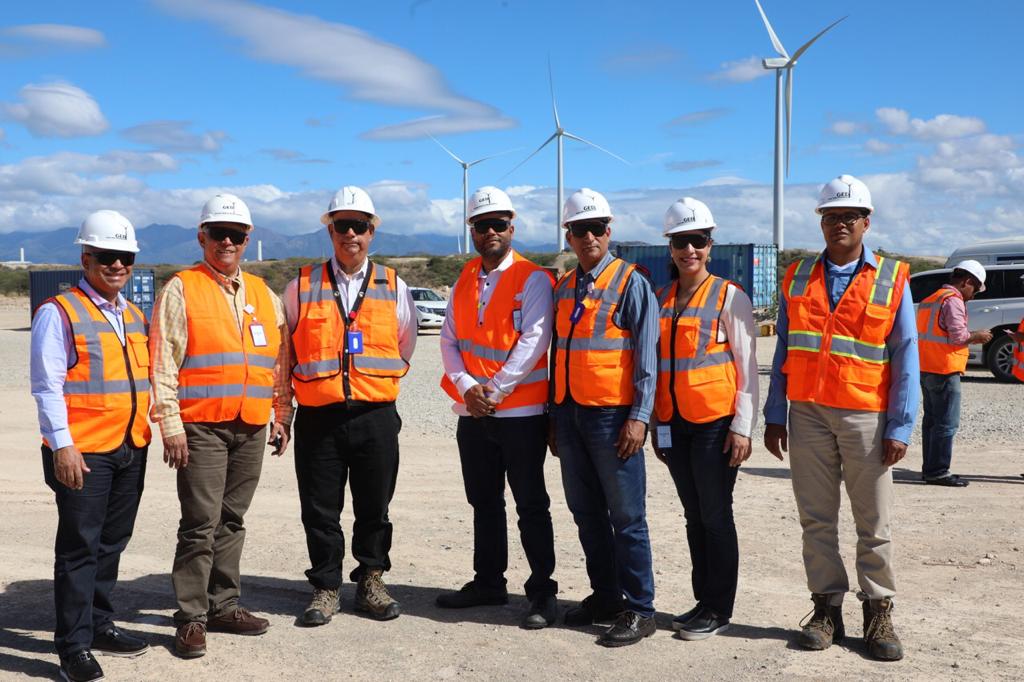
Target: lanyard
{"x":349,"y":318}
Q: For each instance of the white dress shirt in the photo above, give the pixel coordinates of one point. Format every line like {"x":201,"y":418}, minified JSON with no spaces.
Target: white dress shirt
{"x":737,"y":326}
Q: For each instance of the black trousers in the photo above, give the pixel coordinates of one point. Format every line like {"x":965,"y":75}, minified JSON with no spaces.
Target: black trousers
{"x":94,"y":526}
{"x":705,"y":481}
{"x":490,"y":449}
{"x":357,"y":443}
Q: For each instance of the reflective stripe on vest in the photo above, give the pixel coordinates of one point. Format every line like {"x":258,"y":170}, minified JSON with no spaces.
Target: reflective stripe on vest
{"x":224,"y":375}
{"x":938,"y":355}
{"x":486,"y":345}
{"x":107,"y":390}
{"x":593,"y":357}
{"x":1018,"y":356}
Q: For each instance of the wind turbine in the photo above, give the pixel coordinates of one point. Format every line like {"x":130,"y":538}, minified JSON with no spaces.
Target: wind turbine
{"x":557,"y":136}
{"x":779,"y":64}
{"x":466,"y":165}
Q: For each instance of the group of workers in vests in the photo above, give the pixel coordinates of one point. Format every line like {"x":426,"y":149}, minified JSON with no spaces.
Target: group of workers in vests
{"x":584,"y":367}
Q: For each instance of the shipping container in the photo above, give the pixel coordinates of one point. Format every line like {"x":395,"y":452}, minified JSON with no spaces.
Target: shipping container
{"x":752,"y":266}
{"x":44,"y":284}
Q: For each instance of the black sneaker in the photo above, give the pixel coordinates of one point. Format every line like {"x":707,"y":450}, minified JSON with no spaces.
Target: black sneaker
{"x":680,"y":620}
{"x":590,"y":611}
{"x":703,"y":625}
{"x":543,"y":612}
{"x":80,"y":667}
{"x":116,"y":642}
{"x":630,"y":628}
{"x":951,"y":481}
{"x":471,"y":595}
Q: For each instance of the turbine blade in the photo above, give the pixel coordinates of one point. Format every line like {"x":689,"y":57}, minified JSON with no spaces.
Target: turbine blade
{"x":551,"y":84}
{"x":446,"y":149}
{"x":789,"y":113}
{"x":492,"y":156}
{"x":776,"y":43}
{"x":803,"y":48}
{"x":546,"y":142}
{"x":598,"y":147}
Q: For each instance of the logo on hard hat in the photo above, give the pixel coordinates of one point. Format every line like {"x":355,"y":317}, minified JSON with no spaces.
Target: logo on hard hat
{"x":692,"y":218}
{"x":586,"y":208}
{"x":484,"y":200}
{"x":839,"y":195}
{"x":121,"y":235}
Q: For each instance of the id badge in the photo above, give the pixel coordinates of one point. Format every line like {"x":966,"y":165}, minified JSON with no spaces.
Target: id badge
{"x":259,"y":335}
{"x":664,"y":437}
{"x":354,"y":340}
{"x":517,"y":320}
{"x":577,"y":312}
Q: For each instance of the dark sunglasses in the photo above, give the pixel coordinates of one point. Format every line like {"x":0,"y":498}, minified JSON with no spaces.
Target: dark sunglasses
{"x":596,"y":228}
{"x":218,"y":234}
{"x":833,"y":219}
{"x":496,"y":224}
{"x":108,"y":258}
{"x":696,"y":240}
{"x":357,"y":226}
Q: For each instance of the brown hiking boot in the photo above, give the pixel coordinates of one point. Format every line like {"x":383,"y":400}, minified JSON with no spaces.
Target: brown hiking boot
{"x":322,"y":608}
{"x":237,"y":622}
{"x":190,"y":640}
{"x":372,"y":596}
{"x":825,"y":627}
{"x":879,"y":635}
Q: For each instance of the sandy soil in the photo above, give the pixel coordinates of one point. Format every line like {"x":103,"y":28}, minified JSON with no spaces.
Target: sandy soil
{"x":959,"y":568}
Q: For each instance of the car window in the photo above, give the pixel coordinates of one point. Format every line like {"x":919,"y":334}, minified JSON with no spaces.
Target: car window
{"x":425,"y":295}
{"x":1013,"y":283}
{"x":993,"y":286}
{"x":923,"y":286}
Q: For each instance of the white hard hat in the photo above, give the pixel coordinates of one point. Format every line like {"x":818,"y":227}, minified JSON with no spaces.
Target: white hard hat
{"x":488,"y":199}
{"x":108,"y":230}
{"x":351,"y":198}
{"x":976,"y":269}
{"x":225,"y":208}
{"x":586,"y":204}
{"x":845,"y":191}
{"x":688,"y":214}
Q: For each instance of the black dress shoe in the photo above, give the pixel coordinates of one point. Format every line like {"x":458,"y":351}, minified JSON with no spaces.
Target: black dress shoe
{"x":471,"y":595}
{"x":543,"y":612}
{"x":80,"y":667}
{"x":630,"y":628}
{"x":682,"y":618}
{"x":703,"y":625}
{"x":951,"y":481}
{"x":116,"y":642}
{"x":590,"y":611}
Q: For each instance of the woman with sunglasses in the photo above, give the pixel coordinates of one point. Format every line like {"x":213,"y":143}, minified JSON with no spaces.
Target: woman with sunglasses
{"x":705,"y":409}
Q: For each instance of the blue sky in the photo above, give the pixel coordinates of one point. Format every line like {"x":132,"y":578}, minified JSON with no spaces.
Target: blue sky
{"x":150,"y":107}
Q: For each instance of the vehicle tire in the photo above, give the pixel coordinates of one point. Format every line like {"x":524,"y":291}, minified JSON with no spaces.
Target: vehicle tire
{"x":999,"y":357}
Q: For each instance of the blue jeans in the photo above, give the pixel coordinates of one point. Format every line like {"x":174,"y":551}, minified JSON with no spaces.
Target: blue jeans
{"x":940,"y":394}
{"x":607,"y":498}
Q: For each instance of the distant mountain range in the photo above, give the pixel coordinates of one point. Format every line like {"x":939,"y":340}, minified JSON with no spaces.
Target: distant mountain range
{"x":176,"y":244}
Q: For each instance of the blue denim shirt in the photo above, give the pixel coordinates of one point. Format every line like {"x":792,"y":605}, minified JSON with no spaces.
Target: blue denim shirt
{"x":904,"y":363}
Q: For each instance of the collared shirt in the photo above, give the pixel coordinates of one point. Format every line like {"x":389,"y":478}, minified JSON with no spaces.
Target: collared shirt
{"x":348,"y":287}
{"x":953,"y":317}
{"x":53,"y":353}
{"x":637,"y":312}
{"x":168,"y":339}
{"x":904,"y":364}
{"x":534,"y":340}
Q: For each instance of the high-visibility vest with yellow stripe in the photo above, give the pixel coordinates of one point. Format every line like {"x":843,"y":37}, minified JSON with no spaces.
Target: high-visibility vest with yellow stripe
{"x":325,"y":371}
{"x":107,"y":390}
{"x":485,"y":346}
{"x":225,"y":375}
{"x":696,"y":373}
{"x":839,"y":358}
{"x":1018,"y":356}
{"x":938,"y":354}
{"x":593,"y":356}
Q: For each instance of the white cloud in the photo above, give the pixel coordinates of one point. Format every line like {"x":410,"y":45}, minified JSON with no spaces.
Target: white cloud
{"x":695,"y":117}
{"x":174,"y":136}
{"x":57,"y":34}
{"x":740,"y":70}
{"x":57,"y":110}
{"x":847,"y":128}
{"x":878,"y":147}
{"x":371,"y":69}
{"x":942,"y":127}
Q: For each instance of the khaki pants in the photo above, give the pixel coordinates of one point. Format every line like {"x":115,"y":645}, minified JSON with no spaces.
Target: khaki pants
{"x":215,"y":490}
{"x":828,"y":445}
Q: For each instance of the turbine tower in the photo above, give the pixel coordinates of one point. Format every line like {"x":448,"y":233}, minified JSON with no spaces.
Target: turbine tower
{"x":557,"y":136}
{"x":779,"y":64}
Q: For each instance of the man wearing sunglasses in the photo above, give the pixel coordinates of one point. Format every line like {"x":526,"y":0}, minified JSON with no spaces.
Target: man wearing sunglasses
{"x":846,"y":365}
{"x":604,"y":376}
{"x":220,"y":357}
{"x":353,"y":329}
{"x":89,"y":379}
{"x":494,"y":348}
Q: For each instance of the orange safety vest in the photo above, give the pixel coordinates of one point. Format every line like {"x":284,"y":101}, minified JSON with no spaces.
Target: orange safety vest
{"x":696,"y":373}
{"x":1018,"y":356}
{"x":593,"y":356}
{"x":938,"y":355}
{"x":225,"y":375}
{"x":325,"y":371}
{"x":838,"y":358}
{"x":107,"y":390}
{"x":486,"y":345}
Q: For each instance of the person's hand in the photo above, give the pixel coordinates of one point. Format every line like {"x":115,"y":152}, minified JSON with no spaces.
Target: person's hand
{"x":477,"y":402}
{"x":279,"y":430}
{"x":631,"y":438}
{"x":1016,"y":336}
{"x":69,"y":467}
{"x":894,"y":451}
{"x":176,"y":451}
{"x":981,"y":336}
{"x":776,"y":439}
{"x":552,"y":441}
{"x":740,"y":447}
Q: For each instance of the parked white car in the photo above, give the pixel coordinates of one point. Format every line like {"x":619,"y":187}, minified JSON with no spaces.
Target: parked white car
{"x":430,"y":307}
{"x":1008,"y":251}
{"x":1000,"y":307}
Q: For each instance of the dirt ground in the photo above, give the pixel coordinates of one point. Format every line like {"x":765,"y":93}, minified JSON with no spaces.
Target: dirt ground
{"x":959,"y":608}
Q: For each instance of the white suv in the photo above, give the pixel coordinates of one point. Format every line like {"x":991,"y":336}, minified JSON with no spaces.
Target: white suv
{"x":1000,"y":307}
{"x":430,"y":307}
